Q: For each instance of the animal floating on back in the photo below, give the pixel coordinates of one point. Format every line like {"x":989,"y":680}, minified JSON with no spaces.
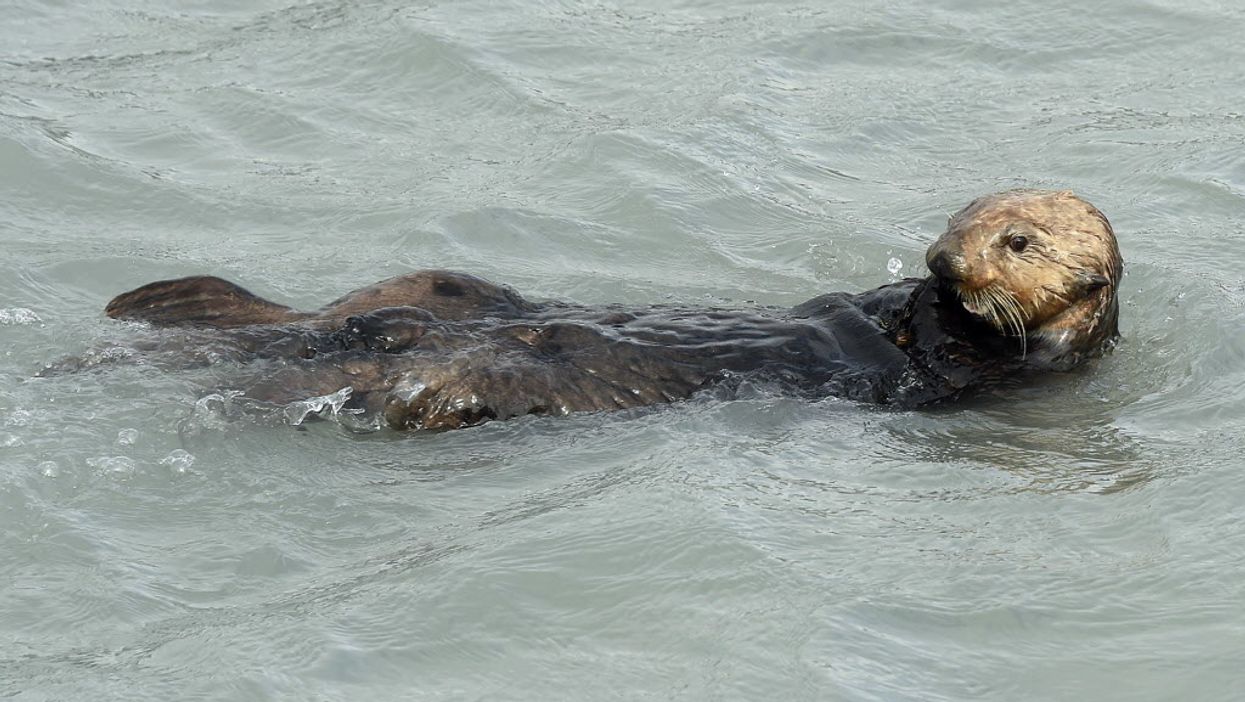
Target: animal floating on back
{"x":1022,"y":281}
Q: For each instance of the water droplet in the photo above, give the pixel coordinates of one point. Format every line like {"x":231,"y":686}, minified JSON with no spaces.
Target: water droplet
{"x":297,"y":412}
{"x":894,"y":265}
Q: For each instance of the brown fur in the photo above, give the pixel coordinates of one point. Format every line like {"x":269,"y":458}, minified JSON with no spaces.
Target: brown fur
{"x":437,"y":349}
{"x":1062,"y":283}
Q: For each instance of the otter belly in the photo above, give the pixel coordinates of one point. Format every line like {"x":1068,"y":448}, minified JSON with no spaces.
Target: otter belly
{"x":422,"y":373}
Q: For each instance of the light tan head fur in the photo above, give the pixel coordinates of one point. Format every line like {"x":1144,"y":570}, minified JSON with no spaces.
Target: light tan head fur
{"x":1041,"y":265}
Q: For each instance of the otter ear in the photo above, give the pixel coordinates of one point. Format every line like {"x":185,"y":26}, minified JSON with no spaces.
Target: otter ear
{"x":1092,"y":281}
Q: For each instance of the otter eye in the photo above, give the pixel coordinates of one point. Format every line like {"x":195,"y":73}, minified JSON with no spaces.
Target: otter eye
{"x":1018,"y":243}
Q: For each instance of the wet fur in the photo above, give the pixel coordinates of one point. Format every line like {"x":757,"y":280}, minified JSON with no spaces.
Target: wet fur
{"x":439,"y":349}
{"x":1058,"y":292}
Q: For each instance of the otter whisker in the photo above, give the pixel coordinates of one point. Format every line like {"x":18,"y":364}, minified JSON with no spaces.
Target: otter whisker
{"x":1012,"y":306}
{"x":1004,"y":311}
{"x":1001,"y":309}
{"x":1009,"y":304}
{"x":1010,"y":309}
{"x":991,"y":302}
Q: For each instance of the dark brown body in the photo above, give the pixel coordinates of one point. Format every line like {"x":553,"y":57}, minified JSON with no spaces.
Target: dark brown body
{"x":438,"y":349}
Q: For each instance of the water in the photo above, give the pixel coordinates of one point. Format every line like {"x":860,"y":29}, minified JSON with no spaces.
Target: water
{"x":1078,"y":539}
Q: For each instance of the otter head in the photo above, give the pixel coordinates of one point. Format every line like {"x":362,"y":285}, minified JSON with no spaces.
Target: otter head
{"x":1036,"y":264}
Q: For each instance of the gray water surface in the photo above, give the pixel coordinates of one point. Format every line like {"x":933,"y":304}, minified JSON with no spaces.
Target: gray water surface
{"x":1080,"y":538}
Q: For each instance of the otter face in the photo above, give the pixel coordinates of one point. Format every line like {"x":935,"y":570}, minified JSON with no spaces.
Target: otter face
{"x":1033,"y":263}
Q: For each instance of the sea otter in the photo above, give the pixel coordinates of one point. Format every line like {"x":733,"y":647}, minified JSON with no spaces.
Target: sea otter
{"x":1021,"y":281}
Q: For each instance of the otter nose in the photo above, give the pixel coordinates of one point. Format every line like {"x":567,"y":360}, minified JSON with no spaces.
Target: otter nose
{"x":943,"y":263}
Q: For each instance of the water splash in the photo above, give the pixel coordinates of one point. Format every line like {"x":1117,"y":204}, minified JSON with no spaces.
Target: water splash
{"x":211,"y":411}
{"x":297,"y":412}
{"x":894,"y":266}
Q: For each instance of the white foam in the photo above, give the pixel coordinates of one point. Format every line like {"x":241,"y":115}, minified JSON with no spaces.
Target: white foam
{"x":19,"y":316}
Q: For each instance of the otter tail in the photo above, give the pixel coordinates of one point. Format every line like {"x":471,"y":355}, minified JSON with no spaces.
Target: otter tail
{"x":204,"y":300}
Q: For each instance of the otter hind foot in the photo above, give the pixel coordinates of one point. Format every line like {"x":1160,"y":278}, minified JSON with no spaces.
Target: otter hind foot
{"x":205,"y":300}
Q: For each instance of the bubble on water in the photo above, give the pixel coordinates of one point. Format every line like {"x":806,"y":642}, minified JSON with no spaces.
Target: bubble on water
{"x":48,"y":469}
{"x":297,"y":412}
{"x":117,"y":465}
{"x":19,"y":316}
{"x":178,"y":460}
{"x":894,"y":265}
{"x":212,"y":411}
{"x":10,"y":440}
{"x":19,"y":418}
{"x":109,"y":354}
{"x":214,"y":403}
{"x":127,"y":437}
